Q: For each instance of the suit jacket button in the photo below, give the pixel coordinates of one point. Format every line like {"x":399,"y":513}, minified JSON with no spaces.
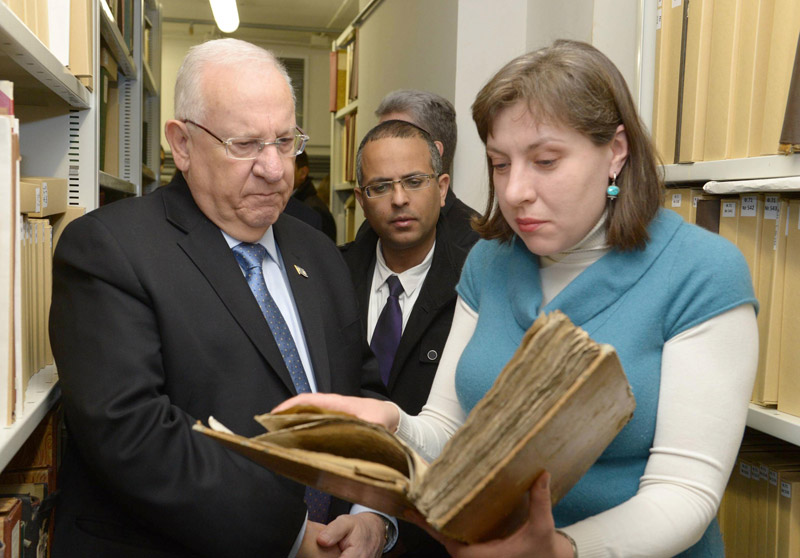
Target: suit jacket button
{"x":432,"y":355}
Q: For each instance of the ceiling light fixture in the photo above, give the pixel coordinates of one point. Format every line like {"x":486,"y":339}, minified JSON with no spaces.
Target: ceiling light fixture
{"x":225,"y":14}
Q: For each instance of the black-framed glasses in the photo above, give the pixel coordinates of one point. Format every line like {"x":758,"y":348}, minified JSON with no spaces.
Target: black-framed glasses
{"x":410,"y":183}
{"x":244,"y":148}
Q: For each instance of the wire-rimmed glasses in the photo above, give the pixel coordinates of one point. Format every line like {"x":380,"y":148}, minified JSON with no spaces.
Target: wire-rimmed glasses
{"x":244,"y":148}
{"x":410,"y":183}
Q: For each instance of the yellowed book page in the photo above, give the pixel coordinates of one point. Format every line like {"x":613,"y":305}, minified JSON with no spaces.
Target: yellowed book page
{"x":789,"y":379}
{"x":695,"y":80}
{"x":721,"y":79}
{"x":783,"y":47}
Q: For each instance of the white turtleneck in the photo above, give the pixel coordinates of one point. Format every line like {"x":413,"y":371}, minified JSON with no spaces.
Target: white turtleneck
{"x":691,"y":459}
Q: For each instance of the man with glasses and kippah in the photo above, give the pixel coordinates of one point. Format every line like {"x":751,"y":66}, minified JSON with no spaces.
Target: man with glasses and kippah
{"x":405,"y":268}
{"x":203,"y":299}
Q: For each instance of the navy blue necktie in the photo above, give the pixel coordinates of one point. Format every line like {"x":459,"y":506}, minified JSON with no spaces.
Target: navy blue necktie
{"x":250,"y":258}
{"x":388,"y":329}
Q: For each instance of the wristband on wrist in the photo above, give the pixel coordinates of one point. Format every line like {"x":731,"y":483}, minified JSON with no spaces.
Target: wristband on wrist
{"x":571,"y":542}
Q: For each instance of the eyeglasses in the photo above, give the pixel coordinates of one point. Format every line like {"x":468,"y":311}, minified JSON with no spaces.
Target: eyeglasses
{"x":244,"y":148}
{"x":410,"y":183}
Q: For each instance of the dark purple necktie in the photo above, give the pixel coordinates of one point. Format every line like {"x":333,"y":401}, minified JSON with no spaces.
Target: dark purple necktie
{"x":388,"y":329}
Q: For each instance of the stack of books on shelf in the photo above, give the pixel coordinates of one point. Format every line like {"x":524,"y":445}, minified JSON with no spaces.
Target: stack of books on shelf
{"x":344,"y":74}
{"x":760,"y":511}
{"x":723,"y":74}
{"x":766,"y":228}
{"x":27,"y":487}
{"x":36,"y":211}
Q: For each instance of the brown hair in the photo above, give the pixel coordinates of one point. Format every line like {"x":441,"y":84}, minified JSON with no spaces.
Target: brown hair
{"x":573,"y":84}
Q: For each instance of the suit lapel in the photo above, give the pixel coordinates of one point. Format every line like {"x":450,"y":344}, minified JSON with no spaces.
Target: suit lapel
{"x":206,"y":247}
{"x":306,"y":285}
{"x":438,"y":289}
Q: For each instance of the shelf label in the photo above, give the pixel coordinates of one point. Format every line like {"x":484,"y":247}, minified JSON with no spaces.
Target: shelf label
{"x":749,"y":206}
{"x":677,"y":199}
{"x":772,"y":207}
{"x":44,"y":194}
{"x":658,"y":18}
{"x":786,"y":489}
{"x":744,"y":469}
{"x":676,"y":3}
{"x":773,"y":477}
{"x":729,"y":209}
{"x":764,"y":470}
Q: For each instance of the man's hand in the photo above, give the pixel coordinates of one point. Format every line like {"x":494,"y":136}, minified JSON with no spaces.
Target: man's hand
{"x":370,"y":410}
{"x":362,"y":535}
{"x":309,"y":547}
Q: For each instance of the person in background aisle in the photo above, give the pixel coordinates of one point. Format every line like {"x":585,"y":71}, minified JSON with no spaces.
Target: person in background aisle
{"x":574,"y":223}
{"x":436,"y":115}
{"x":405,"y":268}
{"x":202,"y":299}
{"x":305,"y":192}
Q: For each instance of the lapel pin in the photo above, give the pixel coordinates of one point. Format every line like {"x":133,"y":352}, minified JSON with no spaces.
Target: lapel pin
{"x":301,"y":271}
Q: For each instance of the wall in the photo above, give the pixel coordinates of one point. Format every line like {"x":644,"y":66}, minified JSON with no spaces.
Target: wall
{"x":405,"y":44}
{"x":492,"y":33}
{"x":317,"y":125}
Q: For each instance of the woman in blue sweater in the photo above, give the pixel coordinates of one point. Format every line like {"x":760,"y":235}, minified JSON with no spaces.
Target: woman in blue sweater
{"x":574,"y":223}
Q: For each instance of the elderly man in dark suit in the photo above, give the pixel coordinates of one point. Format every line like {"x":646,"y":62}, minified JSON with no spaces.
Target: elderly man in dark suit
{"x":202,"y":299}
{"x":405,"y":267}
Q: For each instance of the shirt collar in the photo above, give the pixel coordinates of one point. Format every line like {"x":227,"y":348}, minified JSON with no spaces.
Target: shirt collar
{"x":267,"y":241}
{"x":411,"y":278}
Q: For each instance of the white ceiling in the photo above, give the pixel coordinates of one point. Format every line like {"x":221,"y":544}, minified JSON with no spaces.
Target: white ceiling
{"x":307,"y":22}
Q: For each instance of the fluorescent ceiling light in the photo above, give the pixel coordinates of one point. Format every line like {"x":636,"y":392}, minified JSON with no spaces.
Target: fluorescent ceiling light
{"x":225,"y":14}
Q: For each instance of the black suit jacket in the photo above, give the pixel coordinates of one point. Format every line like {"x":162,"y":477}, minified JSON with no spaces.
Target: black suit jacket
{"x":420,"y":346}
{"x":428,"y":325}
{"x":153,"y":327}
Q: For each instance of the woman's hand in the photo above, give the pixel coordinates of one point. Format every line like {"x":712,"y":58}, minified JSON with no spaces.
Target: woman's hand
{"x":370,"y":410}
{"x":537,"y":538}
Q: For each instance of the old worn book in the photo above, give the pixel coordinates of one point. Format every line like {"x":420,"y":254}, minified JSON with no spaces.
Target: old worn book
{"x":556,"y":405}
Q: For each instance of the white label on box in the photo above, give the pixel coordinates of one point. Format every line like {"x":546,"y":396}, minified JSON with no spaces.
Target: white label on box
{"x":749,"y":205}
{"x":694,"y":201}
{"x":772,"y":207}
{"x":729,"y":209}
{"x":786,"y":489}
{"x":744,"y":470}
{"x":764,"y":472}
{"x":38,"y":203}
{"x":44,"y":194}
{"x":658,"y":19}
{"x":676,"y":200}
{"x":773,"y":478}
{"x":676,"y":3}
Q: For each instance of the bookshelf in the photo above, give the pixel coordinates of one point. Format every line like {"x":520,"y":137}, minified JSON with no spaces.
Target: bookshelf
{"x":344,"y":98}
{"x":60,"y":136}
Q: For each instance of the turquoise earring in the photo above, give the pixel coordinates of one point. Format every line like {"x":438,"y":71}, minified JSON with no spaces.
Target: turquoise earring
{"x":613,"y":191}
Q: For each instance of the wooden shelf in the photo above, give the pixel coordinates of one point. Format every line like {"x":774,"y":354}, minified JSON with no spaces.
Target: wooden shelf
{"x":42,"y":394}
{"x":347,"y":109}
{"x":116,"y":43}
{"x":114,"y":183}
{"x":32,"y":67}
